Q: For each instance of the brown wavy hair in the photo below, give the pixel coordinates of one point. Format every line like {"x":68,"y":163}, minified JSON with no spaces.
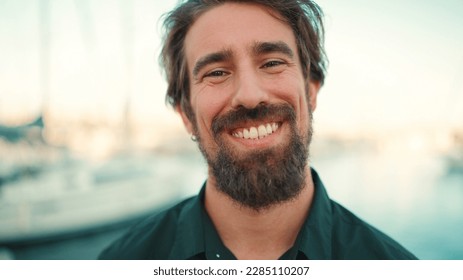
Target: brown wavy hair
{"x":304,"y":16}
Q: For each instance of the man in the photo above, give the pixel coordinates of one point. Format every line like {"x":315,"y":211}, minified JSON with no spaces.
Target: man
{"x":244,"y":77}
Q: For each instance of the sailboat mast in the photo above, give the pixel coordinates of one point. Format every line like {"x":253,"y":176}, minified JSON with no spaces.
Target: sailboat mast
{"x":44,"y":56}
{"x":127,"y":30}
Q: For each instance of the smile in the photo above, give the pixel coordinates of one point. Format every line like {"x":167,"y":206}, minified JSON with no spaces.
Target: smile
{"x":258,"y":132}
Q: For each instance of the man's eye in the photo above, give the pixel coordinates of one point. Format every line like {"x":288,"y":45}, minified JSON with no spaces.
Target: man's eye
{"x":217,"y":73}
{"x":216,"y":76}
{"x":272,"y":63}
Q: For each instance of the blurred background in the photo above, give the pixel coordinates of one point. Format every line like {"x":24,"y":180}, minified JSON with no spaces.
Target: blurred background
{"x":88,"y":146}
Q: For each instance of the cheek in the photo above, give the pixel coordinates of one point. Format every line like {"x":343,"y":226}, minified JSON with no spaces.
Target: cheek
{"x":294,"y":92}
{"x":304,"y":111}
{"x":290,"y":90}
{"x":208,"y":104}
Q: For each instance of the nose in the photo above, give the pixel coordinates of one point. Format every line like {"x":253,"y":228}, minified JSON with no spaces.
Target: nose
{"x":249,"y":91}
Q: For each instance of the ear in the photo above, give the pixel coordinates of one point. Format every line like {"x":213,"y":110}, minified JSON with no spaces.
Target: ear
{"x":186,"y":121}
{"x":314,"y":88}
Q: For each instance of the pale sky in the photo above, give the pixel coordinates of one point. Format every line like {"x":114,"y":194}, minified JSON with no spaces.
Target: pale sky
{"x":392,"y":63}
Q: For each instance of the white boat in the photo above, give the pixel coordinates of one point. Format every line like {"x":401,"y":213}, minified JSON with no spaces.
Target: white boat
{"x":76,"y":196}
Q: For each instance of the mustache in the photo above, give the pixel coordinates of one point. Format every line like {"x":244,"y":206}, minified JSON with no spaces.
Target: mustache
{"x":261,"y":112}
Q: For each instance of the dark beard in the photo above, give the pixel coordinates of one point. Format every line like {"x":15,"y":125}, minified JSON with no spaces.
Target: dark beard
{"x":263,"y":178}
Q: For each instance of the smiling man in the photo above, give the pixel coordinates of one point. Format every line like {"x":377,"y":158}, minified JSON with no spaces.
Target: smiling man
{"x":244,"y":76}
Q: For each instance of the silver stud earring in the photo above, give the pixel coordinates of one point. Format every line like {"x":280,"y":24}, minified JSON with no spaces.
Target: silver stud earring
{"x":194,"y":138}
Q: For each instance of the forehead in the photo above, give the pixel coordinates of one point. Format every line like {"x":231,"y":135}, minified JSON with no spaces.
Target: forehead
{"x":235,"y":27}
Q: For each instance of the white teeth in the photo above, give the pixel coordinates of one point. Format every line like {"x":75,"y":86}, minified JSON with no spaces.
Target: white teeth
{"x":252,"y":132}
{"x":274,"y":127}
{"x":269,"y":129}
{"x":246,"y":133}
{"x":262,"y":131}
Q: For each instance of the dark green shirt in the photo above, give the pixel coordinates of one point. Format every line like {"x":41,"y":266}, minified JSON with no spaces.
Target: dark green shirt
{"x":185,"y":231}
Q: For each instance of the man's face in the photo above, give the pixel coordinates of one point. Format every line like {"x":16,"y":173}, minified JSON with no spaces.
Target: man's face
{"x":252,"y":110}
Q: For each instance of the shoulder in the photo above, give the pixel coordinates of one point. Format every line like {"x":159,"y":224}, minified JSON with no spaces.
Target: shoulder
{"x":353,"y":238}
{"x":152,"y":238}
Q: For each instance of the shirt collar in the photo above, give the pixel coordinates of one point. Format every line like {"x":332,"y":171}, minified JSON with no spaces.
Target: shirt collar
{"x":196,"y":233}
{"x":187,"y":244}
{"x":215,"y":249}
{"x":314,"y":239}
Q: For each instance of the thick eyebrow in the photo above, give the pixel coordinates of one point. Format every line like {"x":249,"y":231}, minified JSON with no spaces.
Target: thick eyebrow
{"x":260,"y":48}
{"x":211,"y":58}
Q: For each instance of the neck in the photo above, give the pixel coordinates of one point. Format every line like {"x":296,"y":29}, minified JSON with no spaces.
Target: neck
{"x":252,"y":234}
